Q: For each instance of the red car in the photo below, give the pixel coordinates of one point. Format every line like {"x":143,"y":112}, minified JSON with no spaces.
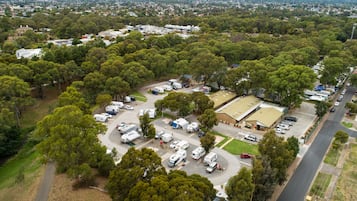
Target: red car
{"x":245,"y":155}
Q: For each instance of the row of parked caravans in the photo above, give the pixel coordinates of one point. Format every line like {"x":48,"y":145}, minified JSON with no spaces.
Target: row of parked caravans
{"x":110,"y":110}
{"x":182,"y":123}
{"x":173,"y":84}
{"x":322,"y":95}
{"x":199,"y":152}
{"x":128,"y":132}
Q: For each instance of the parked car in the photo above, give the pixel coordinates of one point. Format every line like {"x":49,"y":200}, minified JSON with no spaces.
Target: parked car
{"x":291,"y":118}
{"x":283,"y":126}
{"x":337,"y":103}
{"x":128,"y":107}
{"x":159,"y":134}
{"x":333,"y":109}
{"x":183,"y":144}
{"x":212,"y":167}
{"x":245,"y":155}
{"x":201,"y":133}
{"x":280,"y":131}
{"x":251,"y":138}
{"x":290,"y":123}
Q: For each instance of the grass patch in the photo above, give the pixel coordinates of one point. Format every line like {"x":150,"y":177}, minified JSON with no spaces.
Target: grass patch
{"x":347,"y":182}
{"x":320,"y":184}
{"x":222,"y":142}
{"x":237,"y":147}
{"x":332,"y":157}
{"x":225,"y":138}
{"x":139,"y":96}
{"x":36,"y":112}
{"x":347,"y":124}
{"x":27,"y":158}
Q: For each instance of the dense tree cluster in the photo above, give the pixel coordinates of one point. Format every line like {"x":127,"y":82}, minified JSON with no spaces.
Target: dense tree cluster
{"x":141,"y":176}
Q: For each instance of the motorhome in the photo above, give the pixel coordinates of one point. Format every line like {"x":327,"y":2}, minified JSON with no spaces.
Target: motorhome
{"x":198,"y":153}
{"x":130,"y":136}
{"x":210,"y":158}
{"x":177,"y":158}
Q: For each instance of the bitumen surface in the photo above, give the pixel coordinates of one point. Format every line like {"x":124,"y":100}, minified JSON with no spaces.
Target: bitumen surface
{"x":298,"y":186}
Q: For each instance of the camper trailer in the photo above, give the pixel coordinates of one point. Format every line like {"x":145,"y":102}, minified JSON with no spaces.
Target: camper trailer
{"x":182,"y":145}
{"x":117,"y":103}
{"x":127,"y":128}
{"x":101,"y":117}
{"x":179,"y":123}
{"x":130,"y":137}
{"x":167,"y":137}
{"x":112,"y":109}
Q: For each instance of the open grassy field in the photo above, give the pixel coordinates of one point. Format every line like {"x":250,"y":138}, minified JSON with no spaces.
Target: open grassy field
{"x":237,"y":147}
{"x":320,"y":185}
{"x":332,"y":156}
{"x":347,"y":182}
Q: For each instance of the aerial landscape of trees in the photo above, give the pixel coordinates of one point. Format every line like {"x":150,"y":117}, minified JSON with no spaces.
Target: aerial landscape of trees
{"x":266,"y":51}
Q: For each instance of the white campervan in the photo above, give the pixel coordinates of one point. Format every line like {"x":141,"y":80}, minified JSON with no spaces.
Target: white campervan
{"x":177,"y":158}
{"x":198,"y":153}
{"x":209,"y":158}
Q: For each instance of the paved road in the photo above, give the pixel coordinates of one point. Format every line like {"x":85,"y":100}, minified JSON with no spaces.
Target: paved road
{"x":46,"y":183}
{"x":299,"y":184}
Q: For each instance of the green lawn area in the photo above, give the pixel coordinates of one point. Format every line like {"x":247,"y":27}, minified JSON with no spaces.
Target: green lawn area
{"x":226,"y":138}
{"x":320,"y":184}
{"x":237,"y":147}
{"x":332,"y":157}
{"x":139,"y":96}
{"x":27,"y":158}
{"x":347,"y":124}
{"x":222,"y":142}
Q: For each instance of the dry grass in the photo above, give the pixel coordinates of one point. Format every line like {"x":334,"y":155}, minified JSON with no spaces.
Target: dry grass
{"x":347,"y":182}
{"x":25,"y":191}
{"x":62,"y":191}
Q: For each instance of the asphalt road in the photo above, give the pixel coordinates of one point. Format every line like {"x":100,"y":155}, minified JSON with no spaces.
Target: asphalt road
{"x":299,"y":184}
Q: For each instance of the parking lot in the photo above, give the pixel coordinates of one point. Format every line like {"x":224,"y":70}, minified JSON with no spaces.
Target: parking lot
{"x":112,"y":139}
{"x":305,"y":118}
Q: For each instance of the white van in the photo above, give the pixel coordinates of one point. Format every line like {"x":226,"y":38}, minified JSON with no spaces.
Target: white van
{"x":198,"y":153}
{"x":101,"y":117}
{"x":177,"y":158}
{"x":211,"y":157}
{"x":182,"y":145}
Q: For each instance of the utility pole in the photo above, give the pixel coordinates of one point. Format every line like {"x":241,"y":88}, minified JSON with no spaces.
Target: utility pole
{"x":353,"y":30}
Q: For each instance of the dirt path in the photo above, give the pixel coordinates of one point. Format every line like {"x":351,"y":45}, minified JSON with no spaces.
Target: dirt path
{"x":46,"y":183}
